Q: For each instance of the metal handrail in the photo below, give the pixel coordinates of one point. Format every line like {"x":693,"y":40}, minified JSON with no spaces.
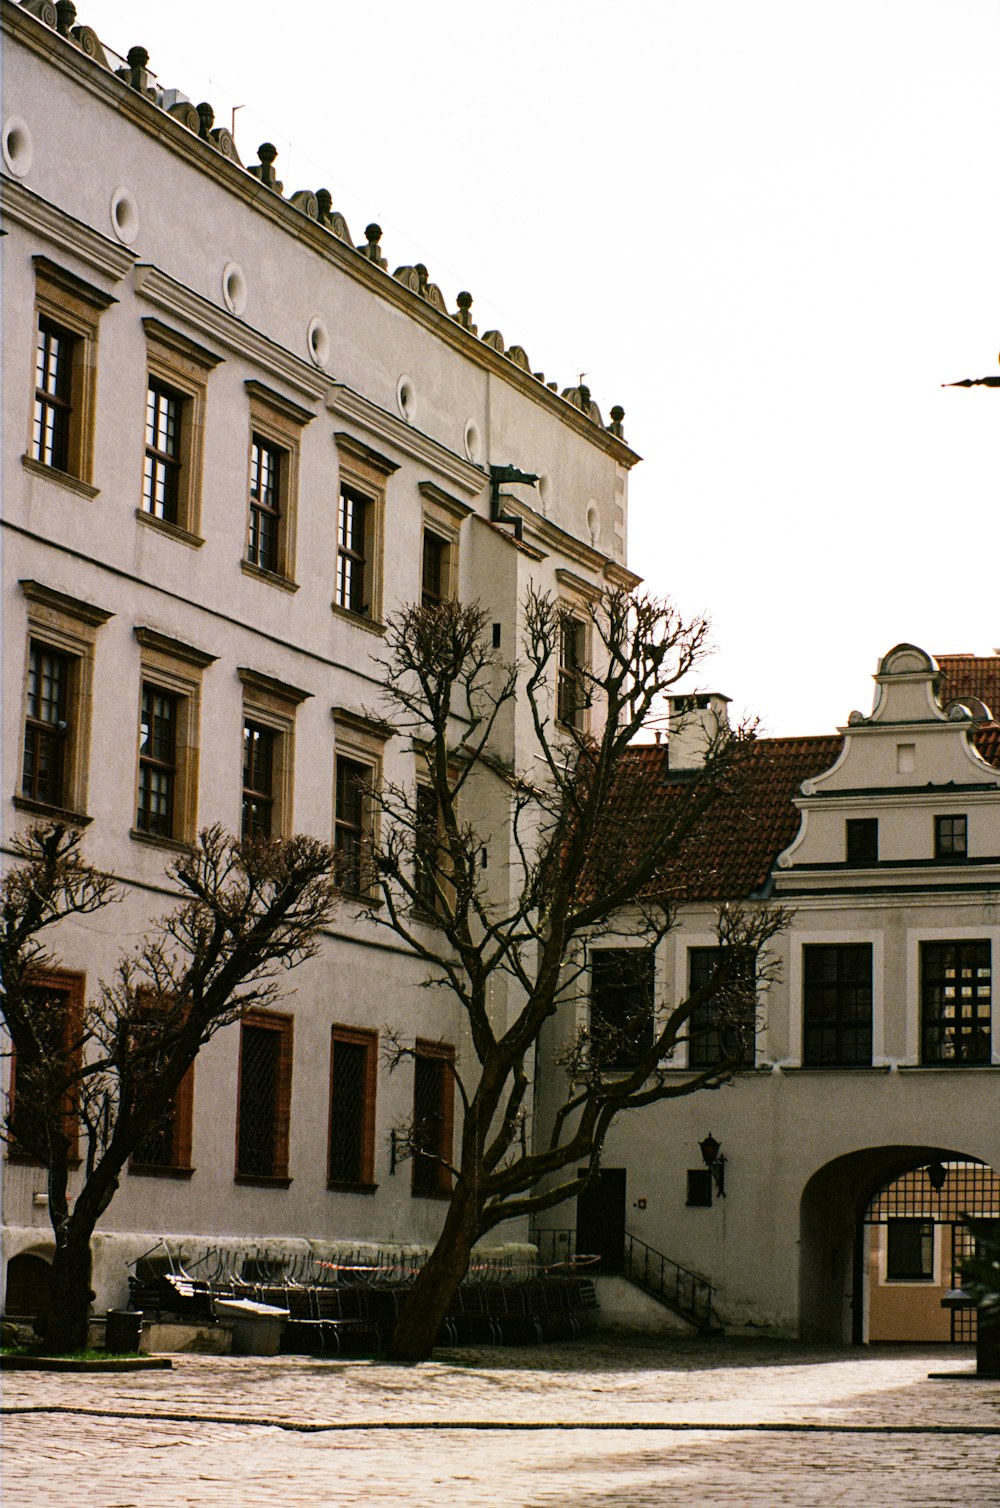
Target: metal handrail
{"x":687,"y":1292}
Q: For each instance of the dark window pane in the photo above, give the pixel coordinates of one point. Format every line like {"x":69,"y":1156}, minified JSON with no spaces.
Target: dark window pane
{"x":46,"y":725}
{"x":258,"y":780}
{"x":724,"y":1026}
{"x":348,"y":1107}
{"x":862,"y":840}
{"x":621,"y":1006}
{"x":258,"y":1119}
{"x":837,"y":1005}
{"x":910,"y":1251}
{"x":956,"y":999}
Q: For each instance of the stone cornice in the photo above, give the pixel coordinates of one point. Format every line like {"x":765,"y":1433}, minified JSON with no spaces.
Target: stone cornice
{"x":345,"y":403}
{"x":183,"y":303}
{"x":175,"y":137}
{"x":71,"y":236}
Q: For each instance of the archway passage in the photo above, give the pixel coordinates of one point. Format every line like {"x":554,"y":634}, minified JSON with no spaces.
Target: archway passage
{"x":29,"y":1279}
{"x":835,"y":1242}
{"x":916,"y":1241}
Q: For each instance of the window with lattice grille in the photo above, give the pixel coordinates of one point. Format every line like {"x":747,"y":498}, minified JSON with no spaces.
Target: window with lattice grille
{"x":264,"y":1098}
{"x":956,"y":1001}
{"x":166,"y":1147}
{"x":42,"y":1094}
{"x":433,"y":1118}
{"x":353,"y":1058}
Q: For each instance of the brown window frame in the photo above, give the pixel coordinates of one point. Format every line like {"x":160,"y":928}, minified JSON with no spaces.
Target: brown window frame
{"x":283,"y":1028}
{"x":951,"y":838}
{"x":571,"y":700}
{"x":179,"y":1114}
{"x":173,"y":670}
{"x":431,"y":1178}
{"x":258,"y":807}
{"x":69,"y":310}
{"x":366,"y":1040}
{"x":276,"y":426}
{"x":72,"y":985}
{"x":363,"y":478}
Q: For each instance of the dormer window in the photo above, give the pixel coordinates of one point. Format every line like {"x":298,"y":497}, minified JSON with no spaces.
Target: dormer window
{"x":951,"y":838}
{"x":862,"y":840}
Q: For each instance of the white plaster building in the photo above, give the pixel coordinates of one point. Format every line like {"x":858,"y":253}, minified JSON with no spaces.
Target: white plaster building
{"x":877,"y":1053}
{"x":235,"y":443}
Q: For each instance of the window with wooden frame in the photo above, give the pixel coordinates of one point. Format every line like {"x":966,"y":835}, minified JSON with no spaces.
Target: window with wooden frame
{"x":276,"y":426}
{"x":951,"y":838}
{"x":176,"y":396}
{"x":169,"y":714}
{"x":861,"y":836}
{"x":264,"y":1099}
{"x":357,"y":771}
{"x":433,"y":1125}
{"x":357,"y":585}
{"x":42,"y":1091}
{"x":837,"y":1005}
{"x":351,"y":1141}
{"x":956,"y":988}
{"x":165,"y":1150}
{"x":68,"y":312}
{"x":62,"y":633}
{"x":268,"y":754}
{"x":571,"y":695}
{"x":621,"y":1006}
{"x":725,"y":1025}
{"x":442,"y":520}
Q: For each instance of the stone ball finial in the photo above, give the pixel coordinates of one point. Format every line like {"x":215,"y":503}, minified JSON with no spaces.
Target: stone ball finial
{"x":267,"y":152}
{"x":615,"y":427}
{"x":374,"y":233}
{"x":618,"y":413}
{"x":65,"y":16}
{"x":137,"y":57}
{"x":206,"y":116}
{"x":465,"y":301}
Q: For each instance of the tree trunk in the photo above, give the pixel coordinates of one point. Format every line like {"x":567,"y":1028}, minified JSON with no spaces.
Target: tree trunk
{"x":418,"y":1325}
{"x":71,"y":1294}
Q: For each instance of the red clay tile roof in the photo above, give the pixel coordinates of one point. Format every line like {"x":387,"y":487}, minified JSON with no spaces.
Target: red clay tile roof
{"x":970,"y":675}
{"x":735,"y":843}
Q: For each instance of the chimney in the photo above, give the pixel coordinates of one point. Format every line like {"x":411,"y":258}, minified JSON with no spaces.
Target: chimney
{"x":695,"y":721}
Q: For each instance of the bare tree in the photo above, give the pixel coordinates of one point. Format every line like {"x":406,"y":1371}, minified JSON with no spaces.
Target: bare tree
{"x":589,"y":841}
{"x":247,"y":911}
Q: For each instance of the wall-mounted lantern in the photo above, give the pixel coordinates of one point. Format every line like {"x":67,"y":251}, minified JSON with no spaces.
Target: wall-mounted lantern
{"x":711,"y":1156}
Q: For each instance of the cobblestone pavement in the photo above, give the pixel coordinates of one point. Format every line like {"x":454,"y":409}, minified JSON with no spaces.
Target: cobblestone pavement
{"x":610,"y":1423}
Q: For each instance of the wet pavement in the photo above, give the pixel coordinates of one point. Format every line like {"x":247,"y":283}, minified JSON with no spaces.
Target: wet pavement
{"x":612,"y":1421}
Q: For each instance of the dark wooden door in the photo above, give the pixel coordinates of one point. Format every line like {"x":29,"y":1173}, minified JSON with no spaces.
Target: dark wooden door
{"x":600,"y":1219}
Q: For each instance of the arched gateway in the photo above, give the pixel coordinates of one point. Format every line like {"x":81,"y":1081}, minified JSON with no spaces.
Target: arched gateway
{"x":881,"y":1239}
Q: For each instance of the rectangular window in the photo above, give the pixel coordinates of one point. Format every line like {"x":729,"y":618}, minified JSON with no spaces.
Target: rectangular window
{"x":956,"y":1001}
{"x":862,"y":840}
{"x":157,"y":761}
{"x":62,"y":634}
{"x":162,"y":465}
{"x":352,"y":590}
{"x":43,"y":771}
{"x":951,"y":837}
{"x":258,"y":780}
{"x":67,"y":311}
{"x":53,"y":395}
{"x":621,"y":1006}
{"x":909,"y":1251}
{"x":266,"y":467}
{"x":350,"y":829}
{"x":724,"y":1026}
{"x":837,"y":1005}
{"x":351,"y":1155}
{"x":166,"y":1147}
{"x":435,"y":570}
{"x":176,"y":399}
{"x":265,"y":1095}
{"x":276,"y":426}
{"x":42,"y":1091}
{"x":167,"y":774}
{"x":364,"y":474}
{"x":433,"y":1119}
{"x":427,"y":850}
{"x":571,"y":697}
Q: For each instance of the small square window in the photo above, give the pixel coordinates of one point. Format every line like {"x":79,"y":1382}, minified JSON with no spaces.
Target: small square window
{"x":951,"y":835}
{"x":699,"y":1188}
{"x":862,"y":840}
{"x":909,"y":1251}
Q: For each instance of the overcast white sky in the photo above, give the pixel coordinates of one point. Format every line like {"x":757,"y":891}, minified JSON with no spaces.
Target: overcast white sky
{"x":768,"y":228}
